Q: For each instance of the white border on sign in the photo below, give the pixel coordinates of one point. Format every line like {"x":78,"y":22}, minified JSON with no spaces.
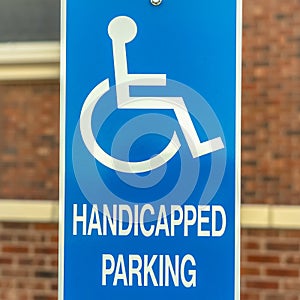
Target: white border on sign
{"x":238,"y":84}
{"x":63,"y":49}
{"x":237,"y":149}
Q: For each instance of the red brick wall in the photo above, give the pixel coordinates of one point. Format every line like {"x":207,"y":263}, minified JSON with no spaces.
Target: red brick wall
{"x":271,"y":102}
{"x":29,"y":143}
{"x":29,"y":147}
{"x":28,"y":261}
{"x":270,"y":265}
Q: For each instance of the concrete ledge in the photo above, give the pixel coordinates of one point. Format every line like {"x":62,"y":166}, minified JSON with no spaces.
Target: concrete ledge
{"x":285,"y":217}
{"x":29,"y":61}
{"x":270,"y":216}
{"x":28,"y":211}
{"x":252,"y":216}
{"x":255,"y":216}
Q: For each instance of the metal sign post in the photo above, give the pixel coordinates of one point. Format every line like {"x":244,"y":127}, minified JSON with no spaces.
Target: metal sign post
{"x":150,"y":149}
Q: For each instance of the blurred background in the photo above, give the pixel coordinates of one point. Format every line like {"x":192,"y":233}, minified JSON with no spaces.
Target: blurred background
{"x":29,"y":149}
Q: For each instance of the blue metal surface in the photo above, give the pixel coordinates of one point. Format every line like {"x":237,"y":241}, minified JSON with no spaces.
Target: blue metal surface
{"x":194,"y":44}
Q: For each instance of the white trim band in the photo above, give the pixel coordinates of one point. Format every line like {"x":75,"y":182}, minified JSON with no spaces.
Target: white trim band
{"x":252,"y":216}
{"x":270,"y":216}
{"x":29,"y":61}
{"x":29,"y":211}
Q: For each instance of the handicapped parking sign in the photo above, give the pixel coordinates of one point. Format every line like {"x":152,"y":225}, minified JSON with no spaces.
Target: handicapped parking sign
{"x":149,"y":176}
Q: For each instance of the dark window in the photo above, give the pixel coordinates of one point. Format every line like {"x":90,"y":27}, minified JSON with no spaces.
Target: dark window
{"x":29,"y":20}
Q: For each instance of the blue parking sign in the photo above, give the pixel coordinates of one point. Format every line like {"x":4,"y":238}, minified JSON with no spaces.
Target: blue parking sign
{"x":150,"y":149}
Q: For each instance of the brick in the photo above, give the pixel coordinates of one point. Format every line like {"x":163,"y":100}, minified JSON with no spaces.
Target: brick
{"x":282,"y":272}
{"x":46,"y":226}
{"x":46,"y":274}
{"x":31,"y":261}
{"x":12,"y":225}
{"x":293,"y":259}
{"x":291,"y":234}
{"x":262,"y":284}
{"x":281,"y":296}
{"x":54,"y":286}
{"x":251,"y":245}
{"x":283,"y":246}
{"x":5,"y":237}
{"x":245,"y":271}
{"x":46,"y":250}
{"x":250,"y":296}
{"x":9,"y":272}
{"x":54,"y":262}
{"x":5,"y":260}
{"x":293,"y":285}
{"x":6,"y":283}
{"x":15,"y":249}
{"x":261,"y":232}
{"x":54,"y":239}
{"x":42,"y":297}
{"x":33,"y":285}
{"x":258,"y":258}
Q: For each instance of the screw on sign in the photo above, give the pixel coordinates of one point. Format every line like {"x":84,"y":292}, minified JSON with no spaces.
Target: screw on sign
{"x":156,"y":2}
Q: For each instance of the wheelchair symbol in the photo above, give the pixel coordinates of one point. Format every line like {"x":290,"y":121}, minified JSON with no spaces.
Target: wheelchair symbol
{"x":123,"y":30}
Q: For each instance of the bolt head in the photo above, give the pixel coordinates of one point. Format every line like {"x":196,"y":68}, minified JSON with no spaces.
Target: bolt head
{"x":156,"y":2}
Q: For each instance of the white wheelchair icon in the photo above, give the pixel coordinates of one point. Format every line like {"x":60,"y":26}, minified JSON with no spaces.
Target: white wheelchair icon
{"x":123,"y":30}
